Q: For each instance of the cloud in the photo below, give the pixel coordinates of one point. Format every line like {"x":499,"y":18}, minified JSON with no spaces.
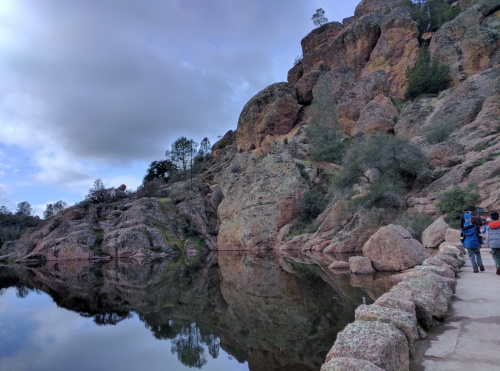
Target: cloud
{"x":90,"y":85}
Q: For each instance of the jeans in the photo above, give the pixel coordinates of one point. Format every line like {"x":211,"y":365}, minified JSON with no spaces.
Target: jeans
{"x":496,"y":256}
{"x":475,"y":257}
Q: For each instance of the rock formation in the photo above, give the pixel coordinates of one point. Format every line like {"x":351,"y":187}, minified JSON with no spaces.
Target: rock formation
{"x":392,"y":248}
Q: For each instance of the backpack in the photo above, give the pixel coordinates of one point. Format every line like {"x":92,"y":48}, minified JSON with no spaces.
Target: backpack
{"x":466,"y":217}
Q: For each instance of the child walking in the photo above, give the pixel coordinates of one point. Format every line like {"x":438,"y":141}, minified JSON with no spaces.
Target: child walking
{"x":471,"y":239}
{"x":493,"y":239}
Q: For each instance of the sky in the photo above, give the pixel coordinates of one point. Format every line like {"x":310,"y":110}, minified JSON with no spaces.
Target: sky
{"x":100,"y":88}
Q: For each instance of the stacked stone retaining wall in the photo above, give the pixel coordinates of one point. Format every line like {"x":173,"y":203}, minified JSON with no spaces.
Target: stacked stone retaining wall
{"x":383,"y":334}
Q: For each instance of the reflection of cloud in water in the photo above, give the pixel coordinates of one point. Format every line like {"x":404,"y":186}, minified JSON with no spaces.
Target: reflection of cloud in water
{"x":63,"y":340}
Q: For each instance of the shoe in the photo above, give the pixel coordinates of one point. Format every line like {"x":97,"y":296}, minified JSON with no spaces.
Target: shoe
{"x":481,"y":268}
{"x":476,"y":271}
{"x":498,"y":271}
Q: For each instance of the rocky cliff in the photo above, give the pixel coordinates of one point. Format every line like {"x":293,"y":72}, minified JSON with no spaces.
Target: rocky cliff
{"x":353,"y":76}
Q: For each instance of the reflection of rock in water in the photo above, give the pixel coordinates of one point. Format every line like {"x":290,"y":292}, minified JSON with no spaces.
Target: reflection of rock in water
{"x":275,"y":313}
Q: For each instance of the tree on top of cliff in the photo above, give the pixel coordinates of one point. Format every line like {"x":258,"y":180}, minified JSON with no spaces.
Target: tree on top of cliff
{"x":319,"y":18}
{"x":182,"y":153}
{"x":379,"y":170}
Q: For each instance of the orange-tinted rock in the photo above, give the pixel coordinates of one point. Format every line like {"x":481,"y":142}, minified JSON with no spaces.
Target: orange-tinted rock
{"x":469,"y":44}
{"x":354,"y":100}
{"x":295,"y":73}
{"x":378,"y":116}
{"x":306,"y":84}
{"x":350,"y":48}
{"x":320,"y":35}
{"x":375,"y":6}
{"x":396,"y":48}
{"x":273,"y":111}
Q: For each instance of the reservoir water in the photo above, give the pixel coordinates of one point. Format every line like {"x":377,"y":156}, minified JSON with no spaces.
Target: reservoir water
{"x":226,"y":311}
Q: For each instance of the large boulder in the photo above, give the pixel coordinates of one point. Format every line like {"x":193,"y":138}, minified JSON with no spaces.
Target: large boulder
{"x":379,"y":343}
{"x":392,"y":248}
{"x":375,"y":6}
{"x":402,"y":300}
{"x":355,"y":99}
{"x":360,"y":264}
{"x":273,"y":111}
{"x":349,"y":364}
{"x":320,"y":35}
{"x":434,"y":234}
{"x":470,"y":43}
{"x":261,"y":196}
{"x":350,"y":48}
{"x":306,"y":84}
{"x":402,"y":320}
{"x":396,"y":48}
{"x":431,"y":296}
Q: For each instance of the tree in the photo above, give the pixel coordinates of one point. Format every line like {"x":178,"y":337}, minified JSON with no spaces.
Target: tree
{"x":431,"y":14}
{"x":60,"y":206}
{"x":24,"y":208}
{"x":319,"y":18}
{"x":378,"y":170}
{"x":5,"y":211}
{"x":326,"y":143}
{"x":205,"y":149}
{"x":49,"y":211}
{"x":182,"y":153}
{"x":160,"y":170}
{"x":97,"y":193}
{"x":455,"y":200}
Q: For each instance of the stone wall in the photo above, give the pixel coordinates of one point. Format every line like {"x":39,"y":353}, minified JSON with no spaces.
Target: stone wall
{"x":383,"y":334}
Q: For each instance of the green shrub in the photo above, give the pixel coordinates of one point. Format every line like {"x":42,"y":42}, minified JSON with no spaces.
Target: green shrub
{"x":327,"y":144}
{"x":481,"y":161}
{"x":455,"y":200}
{"x":415,"y":223}
{"x":438,"y":133}
{"x":379,"y":170}
{"x":426,"y":76}
{"x":312,"y":204}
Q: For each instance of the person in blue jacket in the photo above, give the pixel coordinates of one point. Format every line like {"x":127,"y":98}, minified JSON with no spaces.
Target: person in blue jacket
{"x":471,"y":239}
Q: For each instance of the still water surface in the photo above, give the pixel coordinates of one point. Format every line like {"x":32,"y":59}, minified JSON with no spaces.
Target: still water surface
{"x":223,"y":312}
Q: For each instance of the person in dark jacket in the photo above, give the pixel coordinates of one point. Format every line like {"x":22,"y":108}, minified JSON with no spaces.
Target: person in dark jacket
{"x":493,"y":239}
{"x":471,"y":239}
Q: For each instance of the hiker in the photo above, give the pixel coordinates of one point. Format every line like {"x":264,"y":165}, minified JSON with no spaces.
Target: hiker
{"x":471,"y":239}
{"x":493,"y":239}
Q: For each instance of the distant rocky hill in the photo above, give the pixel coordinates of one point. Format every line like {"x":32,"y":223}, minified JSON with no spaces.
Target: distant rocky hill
{"x":353,"y":75}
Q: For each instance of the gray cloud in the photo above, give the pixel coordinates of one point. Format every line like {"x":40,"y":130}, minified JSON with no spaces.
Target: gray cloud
{"x":118,"y":80}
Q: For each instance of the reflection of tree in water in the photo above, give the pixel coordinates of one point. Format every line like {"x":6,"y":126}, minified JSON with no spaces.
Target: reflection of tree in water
{"x":103,"y":319}
{"x":188,"y":341}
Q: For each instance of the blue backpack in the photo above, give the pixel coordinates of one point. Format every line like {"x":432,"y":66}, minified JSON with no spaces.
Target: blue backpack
{"x":467,"y":216}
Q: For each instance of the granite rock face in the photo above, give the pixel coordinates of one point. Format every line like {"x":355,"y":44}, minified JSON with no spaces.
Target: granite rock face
{"x":258,"y":200}
{"x":470,"y":43}
{"x":392,"y":248}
